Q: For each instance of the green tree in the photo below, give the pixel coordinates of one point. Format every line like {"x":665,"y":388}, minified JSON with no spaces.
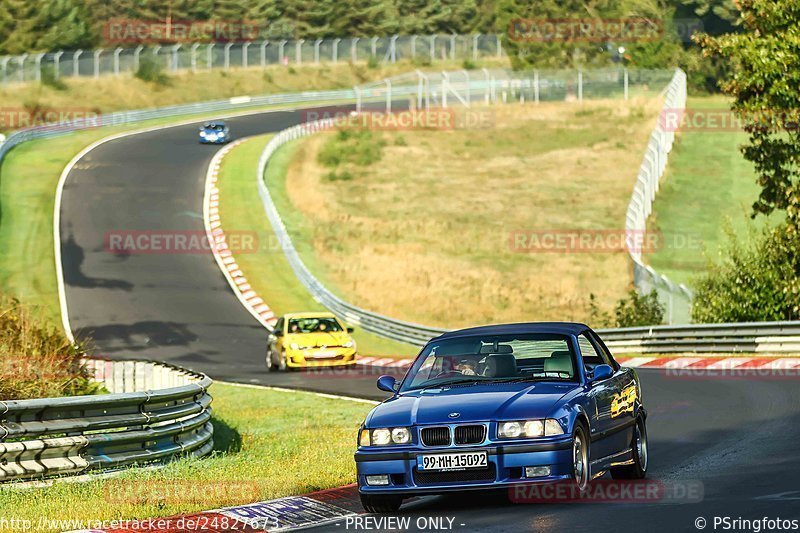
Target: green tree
{"x":765,"y":60}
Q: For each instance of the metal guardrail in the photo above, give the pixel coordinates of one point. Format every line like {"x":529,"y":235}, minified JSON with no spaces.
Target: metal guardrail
{"x":145,"y":424}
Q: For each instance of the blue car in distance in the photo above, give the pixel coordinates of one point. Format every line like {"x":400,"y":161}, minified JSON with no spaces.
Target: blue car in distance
{"x":499,"y":407}
{"x":216,"y":132}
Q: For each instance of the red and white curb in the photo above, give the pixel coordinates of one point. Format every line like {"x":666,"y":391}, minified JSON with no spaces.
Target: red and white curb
{"x":222,"y":252}
{"x":282,"y":514}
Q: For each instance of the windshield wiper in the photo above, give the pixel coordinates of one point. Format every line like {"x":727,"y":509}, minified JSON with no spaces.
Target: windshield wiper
{"x":449,"y":383}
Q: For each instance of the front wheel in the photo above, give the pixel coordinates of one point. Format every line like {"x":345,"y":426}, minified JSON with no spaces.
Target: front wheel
{"x":638,"y":470}
{"x":381,"y":503}
{"x":580,"y":457}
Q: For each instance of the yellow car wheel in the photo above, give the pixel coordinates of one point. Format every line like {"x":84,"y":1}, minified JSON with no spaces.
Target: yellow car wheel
{"x":282,"y":361}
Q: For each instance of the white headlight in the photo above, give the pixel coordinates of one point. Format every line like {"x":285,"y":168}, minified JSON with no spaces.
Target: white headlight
{"x":401,"y":436}
{"x":509,"y":430}
{"x":533,"y":428}
{"x":348,"y":344}
{"x":381,"y":437}
{"x":294,"y":346}
{"x":552,"y":427}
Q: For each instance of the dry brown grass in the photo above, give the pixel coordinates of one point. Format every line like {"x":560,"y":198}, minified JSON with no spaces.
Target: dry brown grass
{"x":424,"y":234}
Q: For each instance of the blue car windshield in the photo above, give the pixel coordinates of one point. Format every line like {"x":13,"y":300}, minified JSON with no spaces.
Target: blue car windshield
{"x":492,"y":359}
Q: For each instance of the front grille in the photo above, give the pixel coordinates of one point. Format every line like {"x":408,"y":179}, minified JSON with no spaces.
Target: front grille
{"x":459,"y":476}
{"x":435,"y":436}
{"x":470,"y":434}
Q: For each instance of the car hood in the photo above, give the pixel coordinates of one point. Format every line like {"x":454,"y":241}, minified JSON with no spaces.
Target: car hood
{"x":336,"y":338}
{"x":474,"y":403}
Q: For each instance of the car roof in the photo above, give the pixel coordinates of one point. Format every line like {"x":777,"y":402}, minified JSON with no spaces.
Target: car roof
{"x":213,"y":123}
{"x":320,"y":314}
{"x":561,"y":328}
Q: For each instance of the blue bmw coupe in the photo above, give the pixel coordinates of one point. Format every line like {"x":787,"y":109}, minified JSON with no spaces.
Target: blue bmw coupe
{"x":503,"y":406}
{"x":216,"y":132}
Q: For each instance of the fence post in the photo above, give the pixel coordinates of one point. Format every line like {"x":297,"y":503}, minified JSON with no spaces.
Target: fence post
{"x":536,"y":86}
{"x":264,"y":45}
{"x":393,"y":48}
{"x":4,"y":63}
{"x":117,"y":52}
{"x":433,"y":47}
{"x":316,"y":51}
{"x":335,"y":50}
{"x":194,"y":48}
{"x":354,"y":49}
{"x":475,"y":47}
{"x":281,"y":47}
{"x":625,"y":82}
{"x":156,"y":51}
{"x":76,"y":67}
{"x":499,"y":46}
{"x":452,"y":47}
{"x":374,"y":46}
{"x":97,"y":62}
{"x":21,"y":60}
{"x":413,"y":47}
{"x":245,"y":61}
{"x":227,"y":54}
{"x":38,"y":63}
{"x":56,"y":64}
{"x":486,"y":87}
{"x":136,"y":53}
{"x":175,"y":49}
{"x":298,"y":51}
{"x":210,"y":56}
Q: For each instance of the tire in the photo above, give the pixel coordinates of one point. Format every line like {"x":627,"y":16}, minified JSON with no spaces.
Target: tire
{"x":282,"y":361}
{"x":581,"y":474}
{"x":380,"y":503}
{"x":638,"y":470}
{"x":270,"y":364}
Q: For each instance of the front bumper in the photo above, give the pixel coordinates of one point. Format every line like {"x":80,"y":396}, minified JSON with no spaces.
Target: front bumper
{"x":295,"y":359}
{"x":507,"y":464}
{"x":223,"y":140}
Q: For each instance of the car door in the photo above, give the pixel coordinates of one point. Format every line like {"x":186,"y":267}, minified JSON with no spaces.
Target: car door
{"x":605,"y":397}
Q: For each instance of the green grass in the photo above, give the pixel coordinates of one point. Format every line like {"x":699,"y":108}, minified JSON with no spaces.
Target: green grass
{"x":267,"y":269}
{"x":268,"y":444}
{"x":708,"y":187}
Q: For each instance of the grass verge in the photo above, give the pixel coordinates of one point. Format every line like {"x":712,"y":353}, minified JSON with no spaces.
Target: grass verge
{"x":268,"y":444}
{"x":708,"y":189}
{"x":418,"y":224}
{"x":266,"y":268}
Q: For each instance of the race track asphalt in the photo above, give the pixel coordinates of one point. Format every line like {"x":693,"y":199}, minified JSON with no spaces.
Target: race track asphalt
{"x":737,"y":437}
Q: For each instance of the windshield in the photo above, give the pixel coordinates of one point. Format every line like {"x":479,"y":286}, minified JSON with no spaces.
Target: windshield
{"x":313,"y":325}
{"x":215,"y":127}
{"x":492,"y":359}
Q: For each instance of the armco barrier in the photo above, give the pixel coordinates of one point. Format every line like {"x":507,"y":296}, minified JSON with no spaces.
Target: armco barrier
{"x":156,"y":412}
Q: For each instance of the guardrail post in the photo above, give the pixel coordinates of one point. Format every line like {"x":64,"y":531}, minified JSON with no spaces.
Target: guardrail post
{"x":316,"y":51}
{"x":475,"y":46}
{"x":536,"y":86}
{"x":487,"y":91}
{"x":298,"y":51}
{"x":245,"y":46}
{"x":264,"y":45}
{"x":193,"y":59}
{"x":21,"y":61}
{"x":421,"y":81}
{"x":117,"y":52}
{"x":76,"y":67}
{"x":227,"y":54}
{"x":358,"y":98}
{"x":38,"y":65}
{"x":445,"y":87}
{"x":388,"y":95}
{"x":469,"y":87}
{"x":210,"y":56}
{"x":335,"y":50}
{"x":354,"y":49}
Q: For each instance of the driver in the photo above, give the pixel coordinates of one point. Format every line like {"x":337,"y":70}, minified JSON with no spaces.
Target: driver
{"x":466,"y":367}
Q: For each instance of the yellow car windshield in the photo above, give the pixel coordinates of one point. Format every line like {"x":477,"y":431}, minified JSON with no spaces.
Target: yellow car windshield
{"x":313,"y":325}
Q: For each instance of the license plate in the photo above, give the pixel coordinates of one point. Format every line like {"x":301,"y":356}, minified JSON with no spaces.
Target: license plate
{"x":321,"y":354}
{"x":452,"y":461}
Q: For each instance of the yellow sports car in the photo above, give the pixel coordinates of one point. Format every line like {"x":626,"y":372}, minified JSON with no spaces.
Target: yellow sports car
{"x":310,"y":340}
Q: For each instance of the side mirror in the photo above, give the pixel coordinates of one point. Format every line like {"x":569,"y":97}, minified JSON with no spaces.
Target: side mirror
{"x":278,"y":333}
{"x":387,"y":383}
{"x":350,"y":329}
{"x":602,"y":372}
